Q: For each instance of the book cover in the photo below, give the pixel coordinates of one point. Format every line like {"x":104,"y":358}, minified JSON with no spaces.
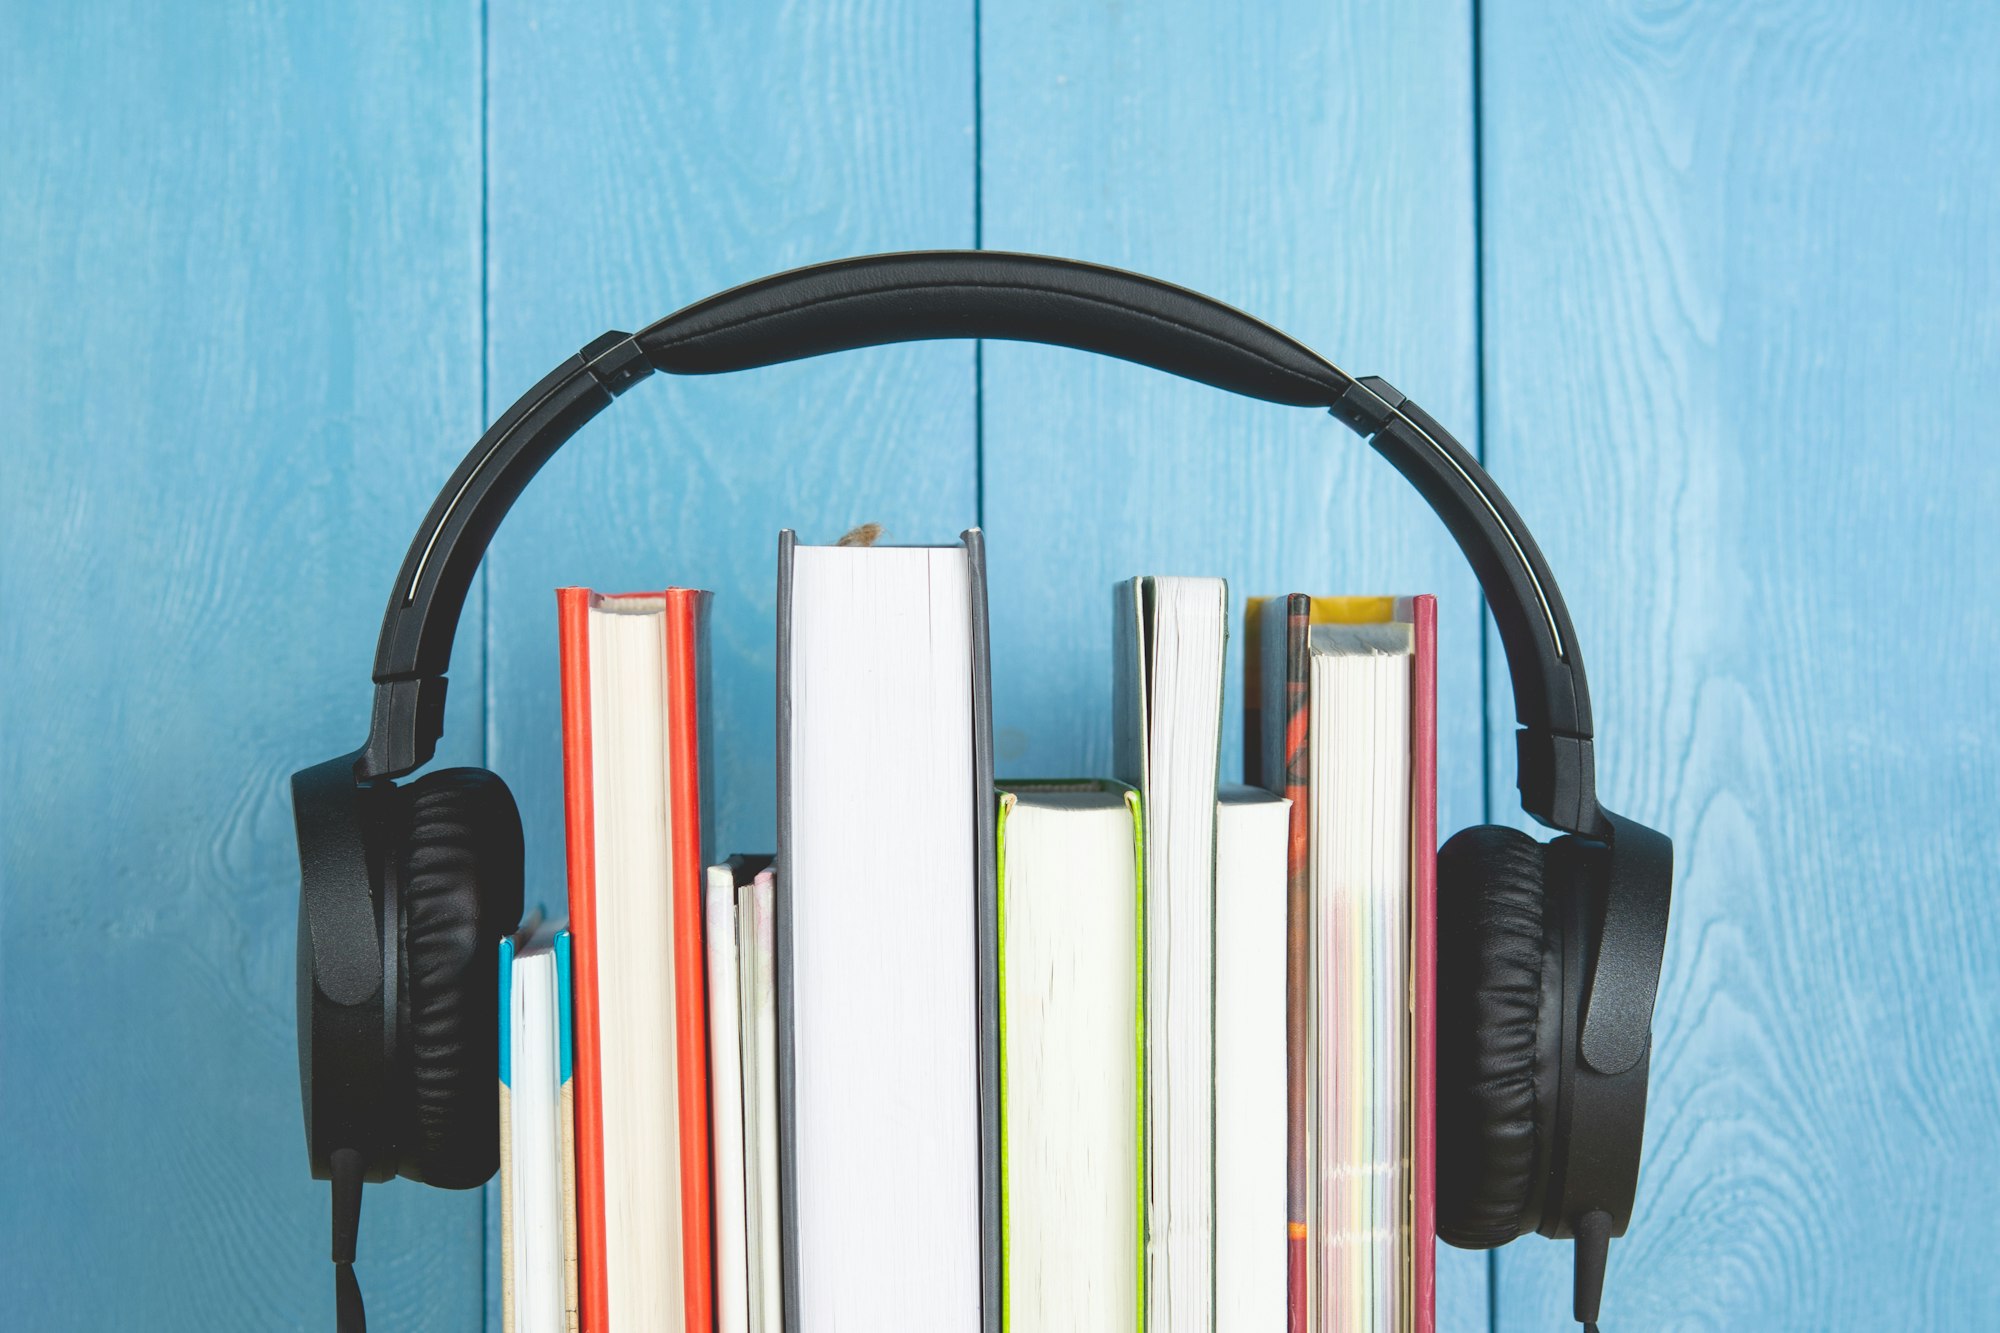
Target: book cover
{"x":509,"y":1313}
{"x":1422,"y":612}
{"x":686,"y":670}
{"x":732,"y":1271}
{"x":1275,"y":697}
{"x":756,"y":934}
{"x":566,"y":1072}
{"x":573,"y":611}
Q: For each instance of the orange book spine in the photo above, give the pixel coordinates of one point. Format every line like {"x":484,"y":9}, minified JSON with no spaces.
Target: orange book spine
{"x":683,"y":628}
{"x":573,"y":611}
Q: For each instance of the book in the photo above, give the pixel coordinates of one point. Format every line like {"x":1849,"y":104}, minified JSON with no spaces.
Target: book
{"x":757,"y":973}
{"x":537,"y":1127}
{"x":887,"y":1045}
{"x":725,"y":1084}
{"x":1341,"y":712}
{"x":1275,"y":684}
{"x":1171,"y":634}
{"x":1251,"y":1247}
{"x":1072,"y":1045}
{"x":633,"y":668}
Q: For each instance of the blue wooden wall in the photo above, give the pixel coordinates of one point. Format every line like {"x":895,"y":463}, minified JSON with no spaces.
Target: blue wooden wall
{"x":1712,"y":287}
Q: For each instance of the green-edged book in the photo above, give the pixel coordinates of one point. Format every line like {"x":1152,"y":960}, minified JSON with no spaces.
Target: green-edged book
{"x":1071,"y":934}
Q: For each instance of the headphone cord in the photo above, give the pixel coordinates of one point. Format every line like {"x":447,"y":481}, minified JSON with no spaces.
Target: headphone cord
{"x":348,"y":1315}
{"x":1593,"y":1247}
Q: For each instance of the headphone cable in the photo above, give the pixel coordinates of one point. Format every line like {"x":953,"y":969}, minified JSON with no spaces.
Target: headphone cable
{"x":349,"y":1317}
{"x":1593,"y":1247}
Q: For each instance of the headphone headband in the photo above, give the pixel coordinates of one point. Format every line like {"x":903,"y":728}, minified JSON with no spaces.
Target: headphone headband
{"x":1026,"y":298}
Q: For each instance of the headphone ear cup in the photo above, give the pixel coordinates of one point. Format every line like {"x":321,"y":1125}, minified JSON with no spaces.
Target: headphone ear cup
{"x":461,"y":893}
{"x":1493,"y":950}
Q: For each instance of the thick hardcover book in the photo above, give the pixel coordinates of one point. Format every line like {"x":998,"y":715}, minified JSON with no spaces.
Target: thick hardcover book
{"x":927,"y":1158}
{"x":1278,"y":730}
{"x":633,"y":690}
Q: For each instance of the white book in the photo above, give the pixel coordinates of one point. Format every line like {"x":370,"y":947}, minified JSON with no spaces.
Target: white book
{"x":1251,"y":1251}
{"x":879,"y":885}
{"x":532,"y":1288}
{"x":725,"y":1088}
{"x":756,"y":915}
{"x":636,"y":967}
{"x":1360,"y":848}
{"x":1171,"y":637}
{"x":1069,"y":1023}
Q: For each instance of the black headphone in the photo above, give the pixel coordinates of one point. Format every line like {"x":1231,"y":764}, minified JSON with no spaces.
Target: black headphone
{"x":1548,"y":955}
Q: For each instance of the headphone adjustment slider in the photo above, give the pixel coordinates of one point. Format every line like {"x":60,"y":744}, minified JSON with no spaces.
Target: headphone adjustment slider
{"x":1368,"y":405}
{"x":408,"y":719}
{"x":616,"y":362}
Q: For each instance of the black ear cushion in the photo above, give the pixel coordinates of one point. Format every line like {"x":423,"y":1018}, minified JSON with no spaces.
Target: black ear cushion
{"x":461,"y":863}
{"x":1491,"y":937}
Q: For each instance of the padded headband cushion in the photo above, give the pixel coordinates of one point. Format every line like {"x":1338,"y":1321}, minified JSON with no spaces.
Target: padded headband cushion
{"x":461,"y":894}
{"x":1491,"y":953}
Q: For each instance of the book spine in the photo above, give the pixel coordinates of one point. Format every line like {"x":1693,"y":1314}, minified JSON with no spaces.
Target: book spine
{"x":1423,"y":1000}
{"x":1290,"y":729}
{"x":682,"y":626}
{"x":566,"y":1161}
{"x":573,"y":613}
{"x":788,"y":1175}
{"x":985,"y":925}
{"x":732,"y":1313}
{"x":1276,"y":702}
{"x":769,"y":1296}
{"x":1135,"y":805}
{"x":509,"y":1313}
{"x":1006,"y":802}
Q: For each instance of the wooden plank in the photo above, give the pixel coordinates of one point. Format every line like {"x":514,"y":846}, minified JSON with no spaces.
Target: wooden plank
{"x":1312,"y":164}
{"x":1741,"y":282}
{"x":638,"y":162}
{"x":643,"y":160}
{"x":238,"y":255}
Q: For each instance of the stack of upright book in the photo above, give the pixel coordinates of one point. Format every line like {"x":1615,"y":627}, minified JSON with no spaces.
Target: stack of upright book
{"x":1139,"y":1050}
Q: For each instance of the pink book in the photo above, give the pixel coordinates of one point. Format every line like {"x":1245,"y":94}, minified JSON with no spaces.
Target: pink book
{"x":1423,"y":883}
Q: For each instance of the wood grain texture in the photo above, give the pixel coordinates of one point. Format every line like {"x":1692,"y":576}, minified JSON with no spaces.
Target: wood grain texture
{"x":238,"y":260}
{"x":1741,"y":286}
{"x":643,"y":160}
{"x":1739,"y":347}
{"x":636,"y":163}
{"x":1311,"y":164}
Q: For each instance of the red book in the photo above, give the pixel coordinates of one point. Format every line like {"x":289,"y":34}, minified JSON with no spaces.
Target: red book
{"x":1423,"y":1010}
{"x":632,"y":702}
{"x":1277,"y":734}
